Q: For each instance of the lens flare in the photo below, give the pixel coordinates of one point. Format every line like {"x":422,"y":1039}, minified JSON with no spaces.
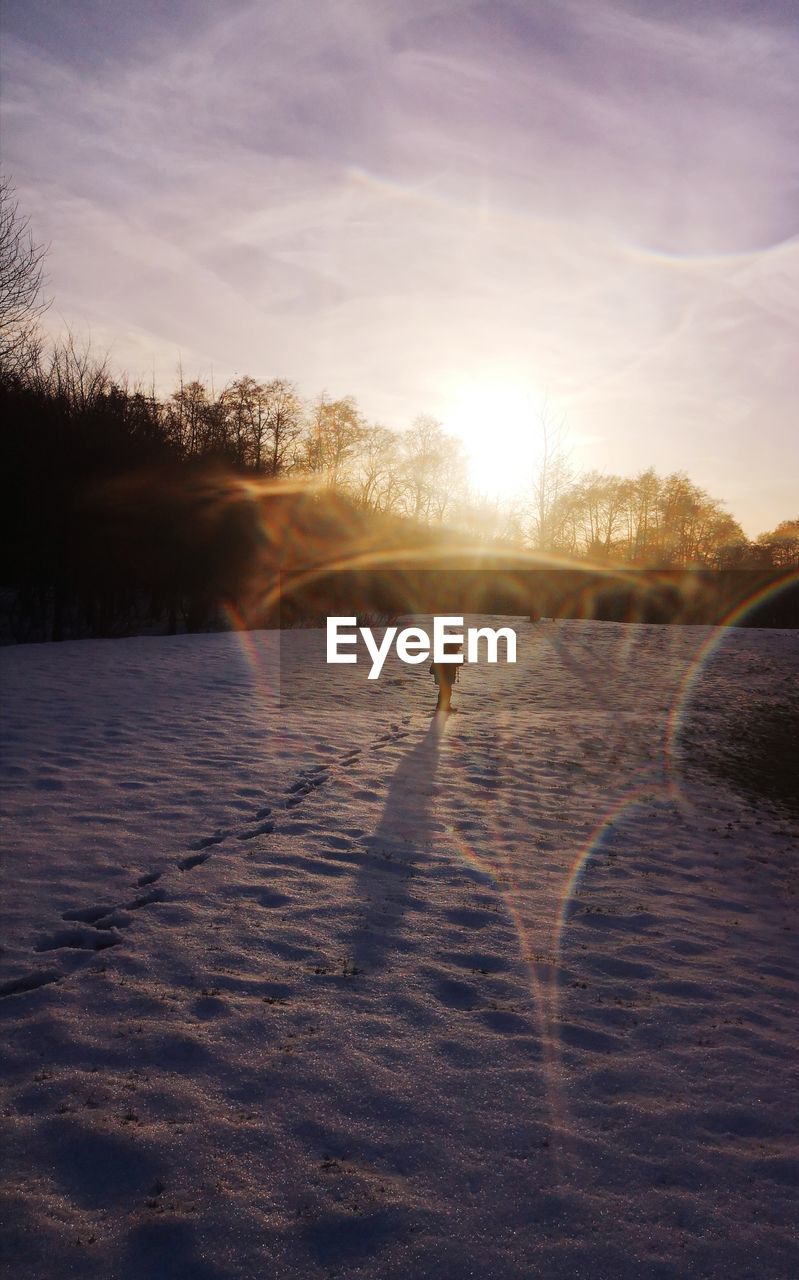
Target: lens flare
{"x":685,"y":693}
{"x":541,"y":938}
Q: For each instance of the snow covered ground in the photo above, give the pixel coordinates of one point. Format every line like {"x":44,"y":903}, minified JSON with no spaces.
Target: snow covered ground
{"x":328,"y":990}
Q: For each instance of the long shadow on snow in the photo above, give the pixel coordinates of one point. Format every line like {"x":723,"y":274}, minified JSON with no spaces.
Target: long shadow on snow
{"x":403,"y":835}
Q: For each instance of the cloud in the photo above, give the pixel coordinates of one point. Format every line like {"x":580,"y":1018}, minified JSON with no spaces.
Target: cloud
{"x":598,"y":199}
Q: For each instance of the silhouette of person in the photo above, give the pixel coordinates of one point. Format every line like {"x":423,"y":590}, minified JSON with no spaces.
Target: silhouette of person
{"x":445,"y":675}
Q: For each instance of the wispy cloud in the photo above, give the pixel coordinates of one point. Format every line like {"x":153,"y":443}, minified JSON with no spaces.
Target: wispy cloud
{"x":393,"y":200}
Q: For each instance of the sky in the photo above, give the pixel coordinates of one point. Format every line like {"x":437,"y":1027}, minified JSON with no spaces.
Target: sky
{"x":484,"y":211}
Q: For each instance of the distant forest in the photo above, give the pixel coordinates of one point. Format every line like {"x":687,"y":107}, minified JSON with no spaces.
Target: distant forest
{"x":124,"y":510}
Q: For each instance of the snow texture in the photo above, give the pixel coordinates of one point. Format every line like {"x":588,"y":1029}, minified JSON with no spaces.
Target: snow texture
{"x":331,"y":989}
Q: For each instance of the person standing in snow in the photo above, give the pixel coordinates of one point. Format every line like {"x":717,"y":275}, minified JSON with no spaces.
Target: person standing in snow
{"x":446,"y":675}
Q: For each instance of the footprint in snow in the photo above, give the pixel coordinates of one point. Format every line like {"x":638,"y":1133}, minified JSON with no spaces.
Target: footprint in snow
{"x":145,"y":900}
{"x":89,"y":915}
{"x":207,"y":842}
{"x":149,"y":877}
{"x":28,"y":982}
{"x":79,"y":940}
{"x":265,"y":829}
{"x":192,"y":861}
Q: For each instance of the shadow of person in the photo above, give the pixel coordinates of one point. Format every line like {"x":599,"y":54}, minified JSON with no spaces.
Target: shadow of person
{"x":405,"y":833}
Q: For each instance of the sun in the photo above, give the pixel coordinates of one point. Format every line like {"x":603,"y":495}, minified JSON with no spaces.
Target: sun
{"x":499,"y":423}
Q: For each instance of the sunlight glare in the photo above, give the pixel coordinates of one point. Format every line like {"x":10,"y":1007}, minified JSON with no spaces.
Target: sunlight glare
{"x":500,"y":426}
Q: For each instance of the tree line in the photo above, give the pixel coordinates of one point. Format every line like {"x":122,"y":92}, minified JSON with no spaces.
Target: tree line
{"x":109,"y":486}
{"x":268,"y":430}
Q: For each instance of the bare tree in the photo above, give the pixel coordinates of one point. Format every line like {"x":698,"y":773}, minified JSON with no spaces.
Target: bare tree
{"x":21,"y":300}
{"x":378,"y":474}
{"x":780,"y":547}
{"x":283,"y":423}
{"x":430,"y":456}
{"x":73,"y":375}
{"x":603,"y":500}
{"x":452,"y":482}
{"x":241,"y":403}
{"x":187,"y":407}
{"x":335,"y":433}
{"x":552,"y":479}
{"x":263,"y":423}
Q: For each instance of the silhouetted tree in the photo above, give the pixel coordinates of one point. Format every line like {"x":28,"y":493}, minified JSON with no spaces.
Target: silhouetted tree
{"x":21,"y":300}
{"x":284,"y":424}
{"x":781,"y":545}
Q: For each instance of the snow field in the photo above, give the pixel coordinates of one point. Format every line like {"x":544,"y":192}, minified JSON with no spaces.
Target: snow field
{"x":328,"y":989}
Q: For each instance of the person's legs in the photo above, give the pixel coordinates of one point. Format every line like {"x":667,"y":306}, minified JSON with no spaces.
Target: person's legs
{"x":444,"y":691}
